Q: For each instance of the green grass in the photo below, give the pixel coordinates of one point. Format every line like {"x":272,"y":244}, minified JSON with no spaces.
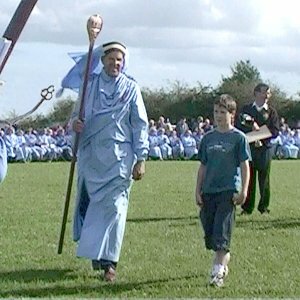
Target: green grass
{"x":163,"y":254}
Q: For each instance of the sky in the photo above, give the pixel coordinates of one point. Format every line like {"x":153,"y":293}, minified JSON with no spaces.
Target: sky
{"x":189,"y":41}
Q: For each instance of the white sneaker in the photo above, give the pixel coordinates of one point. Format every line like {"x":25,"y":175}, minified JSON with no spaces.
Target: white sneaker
{"x":218,"y":274}
{"x":217,"y":280}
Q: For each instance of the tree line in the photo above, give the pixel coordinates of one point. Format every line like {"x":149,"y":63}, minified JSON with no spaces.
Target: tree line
{"x":181,"y":100}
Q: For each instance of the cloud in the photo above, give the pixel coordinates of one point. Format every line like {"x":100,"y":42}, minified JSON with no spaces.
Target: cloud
{"x":64,"y":22}
{"x":189,"y":40}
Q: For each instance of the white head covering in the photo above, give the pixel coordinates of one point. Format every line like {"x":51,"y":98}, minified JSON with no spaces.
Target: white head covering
{"x":74,"y":77}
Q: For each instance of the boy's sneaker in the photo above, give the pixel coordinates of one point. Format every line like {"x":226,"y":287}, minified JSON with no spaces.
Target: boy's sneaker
{"x":217,"y":280}
{"x":217,"y":277}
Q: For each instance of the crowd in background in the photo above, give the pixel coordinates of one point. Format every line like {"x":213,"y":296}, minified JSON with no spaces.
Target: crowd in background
{"x":48,"y":144}
{"x":287,"y":143}
{"x":181,"y":141}
{"x":166,"y":141}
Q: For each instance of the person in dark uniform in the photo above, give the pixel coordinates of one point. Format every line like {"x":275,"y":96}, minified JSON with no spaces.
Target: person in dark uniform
{"x":252,"y":117}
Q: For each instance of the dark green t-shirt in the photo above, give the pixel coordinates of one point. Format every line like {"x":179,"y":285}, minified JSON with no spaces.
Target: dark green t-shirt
{"x":222,"y":154}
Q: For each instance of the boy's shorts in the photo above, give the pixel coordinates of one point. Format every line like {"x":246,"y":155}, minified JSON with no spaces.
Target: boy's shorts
{"x":217,"y":217}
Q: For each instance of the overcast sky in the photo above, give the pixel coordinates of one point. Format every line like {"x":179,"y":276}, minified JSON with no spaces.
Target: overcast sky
{"x":186,"y":40}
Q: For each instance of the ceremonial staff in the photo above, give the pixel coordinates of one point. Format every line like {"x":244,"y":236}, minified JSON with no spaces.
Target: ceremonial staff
{"x":94,"y":26}
{"x":16,"y":26}
{"x":46,"y":94}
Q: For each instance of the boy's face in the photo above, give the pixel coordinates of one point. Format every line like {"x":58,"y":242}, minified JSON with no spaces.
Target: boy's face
{"x":222,"y":116}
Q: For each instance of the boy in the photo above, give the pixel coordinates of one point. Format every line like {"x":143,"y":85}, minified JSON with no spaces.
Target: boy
{"x":222,"y":183}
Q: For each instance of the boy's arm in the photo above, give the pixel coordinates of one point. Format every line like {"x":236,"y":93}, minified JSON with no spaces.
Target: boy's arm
{"x":245,"y":174}
{"x":200,"y":179}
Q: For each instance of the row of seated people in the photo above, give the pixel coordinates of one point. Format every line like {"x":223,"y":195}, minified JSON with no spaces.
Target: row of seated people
{"x":47,"y":145}
{"x":287,"y":144}
{"x":55,"y":144}
{"x":170,"y":145}
{"x":180,"y":141}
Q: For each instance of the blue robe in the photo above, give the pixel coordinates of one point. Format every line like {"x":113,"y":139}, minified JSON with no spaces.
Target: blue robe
{"x":115,"y":136}
{"x":3,"y":160}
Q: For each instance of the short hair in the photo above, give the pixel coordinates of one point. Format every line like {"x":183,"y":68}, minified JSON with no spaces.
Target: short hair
{"x":227,"y":102}
{"x":260,"y":86}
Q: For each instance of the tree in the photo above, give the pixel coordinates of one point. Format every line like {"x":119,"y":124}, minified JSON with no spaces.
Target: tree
{"x":38,"y":121}
{"x":243,"y":71}
{"x":61,"y":111}
{"x":179,"y":100}
{"x":59,"y":115}
{"x":240,"y":84}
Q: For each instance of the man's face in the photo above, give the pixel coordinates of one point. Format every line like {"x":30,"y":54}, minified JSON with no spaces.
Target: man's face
{"x":113,"y":63}
{"x":264,"y":95}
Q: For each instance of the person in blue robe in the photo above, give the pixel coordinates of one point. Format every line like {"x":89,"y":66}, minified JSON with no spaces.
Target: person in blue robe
{"x":154,"y":150}
{"x":11,"y":143}
{"x":189,"y":145}
{"x":113,"y":147}
{"x":3,"y":160}
{"x":289,"y":148}
{"x":164,"y":144}
{"x":177,"y":146}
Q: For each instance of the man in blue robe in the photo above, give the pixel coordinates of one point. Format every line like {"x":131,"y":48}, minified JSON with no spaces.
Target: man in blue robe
{"x":113,"y":146}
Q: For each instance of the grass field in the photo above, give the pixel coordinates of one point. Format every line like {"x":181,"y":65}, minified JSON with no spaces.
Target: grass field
{"x":163,"y":253}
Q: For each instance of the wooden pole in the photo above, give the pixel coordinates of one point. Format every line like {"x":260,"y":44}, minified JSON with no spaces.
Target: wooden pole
{"x":94,"y":26}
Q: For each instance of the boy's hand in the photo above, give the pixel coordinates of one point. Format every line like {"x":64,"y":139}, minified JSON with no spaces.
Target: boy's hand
{"x":239,"y":198}
{"x":199,"y":200}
